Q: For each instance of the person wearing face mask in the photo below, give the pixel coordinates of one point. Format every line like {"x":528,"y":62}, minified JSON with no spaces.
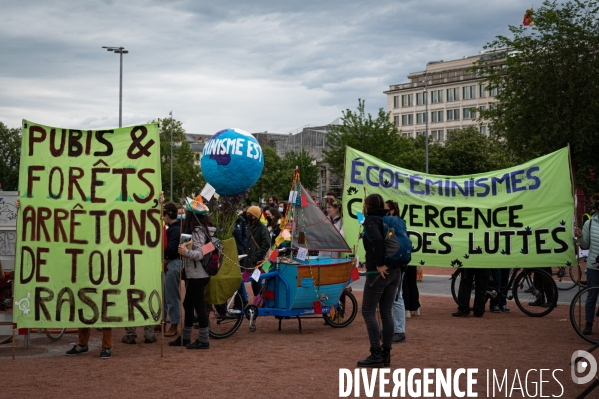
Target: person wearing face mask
{"x":181,"y":212}
{"x":258,"y":243}
{"x":173,"y":264}
{"x":273,"y":217}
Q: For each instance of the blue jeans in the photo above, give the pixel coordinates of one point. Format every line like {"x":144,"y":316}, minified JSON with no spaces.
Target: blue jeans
{"x":172,"y":300}
{"x":380,"y":292}
{"x":399,"y":312}
{"x":592,"y":281}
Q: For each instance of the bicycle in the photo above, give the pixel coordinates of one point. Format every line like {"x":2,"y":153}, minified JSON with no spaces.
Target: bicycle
{"x":564,"y":277}
{"x":577,"y":314}
{"x":533,"y":290}
{"x":225,"y":319}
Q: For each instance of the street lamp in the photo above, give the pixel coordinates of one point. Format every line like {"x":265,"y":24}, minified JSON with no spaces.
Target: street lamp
{"x":171,"y":114}
{"x":425,"y":97}
{"x":121,"y":51}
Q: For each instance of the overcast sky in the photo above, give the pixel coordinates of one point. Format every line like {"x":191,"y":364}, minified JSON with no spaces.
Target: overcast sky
{"x":256,"y":65}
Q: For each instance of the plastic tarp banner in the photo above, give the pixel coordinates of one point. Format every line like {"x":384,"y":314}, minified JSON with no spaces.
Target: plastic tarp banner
{"x":516,"y":217}
{"x":88,"y":228}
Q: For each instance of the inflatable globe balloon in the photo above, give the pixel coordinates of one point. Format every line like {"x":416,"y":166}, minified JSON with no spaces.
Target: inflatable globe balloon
{"x":232,"y":161}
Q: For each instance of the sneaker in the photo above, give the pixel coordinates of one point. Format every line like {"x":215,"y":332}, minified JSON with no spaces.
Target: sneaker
{"x":505,"y":309}
{"x":408,"y":314}
{"x":128,"y":339}
{"x":460,"y":313}
{"x":417,"y":312}
{"x":399,"y":338}
{"x":77,"y":350}
{"x":106,"y":353}
{"x":588,"y":329}
{"x":198,"y":345}
{"x":495,"y":309}
{"x":177,"y":342}
{"x":150,"y":340}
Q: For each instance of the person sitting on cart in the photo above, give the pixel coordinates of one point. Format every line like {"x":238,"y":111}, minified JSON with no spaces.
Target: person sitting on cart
{"x":588,"y":238}
{"x":258,"y":243}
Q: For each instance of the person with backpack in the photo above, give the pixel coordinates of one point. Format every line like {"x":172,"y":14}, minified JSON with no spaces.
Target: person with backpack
{"x":198,"y":224}
{"x":399,"y":309}
{"x":381,"y":284}
{"x":588,"y":238}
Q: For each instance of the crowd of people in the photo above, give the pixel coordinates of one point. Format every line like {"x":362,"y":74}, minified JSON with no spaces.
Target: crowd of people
{"x":389,"y":289}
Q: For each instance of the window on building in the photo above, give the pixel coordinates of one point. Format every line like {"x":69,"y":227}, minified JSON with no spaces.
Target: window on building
{"x":395,"y":101}
{"x":437,"y":135}
{"x":407,"y":100}
{"x":449,"y":115}
{"x":407,"y":119}
{"x":421,"y":98}
{"x":453,"y":94}
{"x":456,"y":114}
{"x":408,"y":135}
{"x":468,"y":92}
{"x":437,"y":116}
{"x":421,"y":117}
{"x":483,"y":130}
{"x":482,"y":90}
{"x":437,"y":96}
{"x":396,"y":120}
{"x":420,"y":134}
{"x":469,"y":113}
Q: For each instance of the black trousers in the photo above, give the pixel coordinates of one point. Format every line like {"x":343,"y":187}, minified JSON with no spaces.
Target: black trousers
{"x":194,"y":300}
{"x":480,"y":277}
{"x":411,"y":296}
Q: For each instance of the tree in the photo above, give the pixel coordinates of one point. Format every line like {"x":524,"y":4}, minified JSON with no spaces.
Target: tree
{"x":273,"y":180}
{"x":548,"y":81}
{"x":10,"y":148}
{"x":468,"y":152}
{"x":307,"y":169}
{"x":184,"y":167}
{"x":378,"y":137}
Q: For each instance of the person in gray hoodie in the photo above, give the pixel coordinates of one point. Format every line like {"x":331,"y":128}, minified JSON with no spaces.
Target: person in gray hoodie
{"x":198,"y":224}
{"x":588,"y":238}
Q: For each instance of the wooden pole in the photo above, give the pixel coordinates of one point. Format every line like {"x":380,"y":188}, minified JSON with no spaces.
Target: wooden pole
{"x":13,"y":343}
{"x":162,"y":281}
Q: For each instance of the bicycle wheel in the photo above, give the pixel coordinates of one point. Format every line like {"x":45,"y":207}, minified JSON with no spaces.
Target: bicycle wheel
{"x":563,"y":277}
{"x":346,"y":312}
{"x":577,"y":314}
{"x":535,"y":292}
{"x":455,"y":287}
{"x":54,"y":334}
{"x":224,"y":319}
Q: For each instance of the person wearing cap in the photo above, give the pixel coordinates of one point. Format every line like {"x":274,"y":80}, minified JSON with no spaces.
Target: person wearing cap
{"x":258,"y":243}
{"x":198,"y":224}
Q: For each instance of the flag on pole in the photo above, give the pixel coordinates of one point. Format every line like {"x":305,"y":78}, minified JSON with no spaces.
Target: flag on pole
{"x":528,"y":18}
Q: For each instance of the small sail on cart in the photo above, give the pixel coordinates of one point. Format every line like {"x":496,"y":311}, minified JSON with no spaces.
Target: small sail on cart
{"x":297,"y":283}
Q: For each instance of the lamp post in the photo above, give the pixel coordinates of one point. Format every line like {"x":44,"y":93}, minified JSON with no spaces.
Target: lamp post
{"x":425,"y":98}
{"x":171,"y":114}
{"x":121,"y":51}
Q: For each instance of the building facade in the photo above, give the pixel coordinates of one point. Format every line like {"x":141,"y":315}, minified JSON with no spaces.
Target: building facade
{"x":451,"y":93}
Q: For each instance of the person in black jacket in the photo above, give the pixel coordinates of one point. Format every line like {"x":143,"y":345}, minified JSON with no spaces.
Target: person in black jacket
{"x":258,"y":243}
{"x":380,"y":286}
{"x":172,"y":277}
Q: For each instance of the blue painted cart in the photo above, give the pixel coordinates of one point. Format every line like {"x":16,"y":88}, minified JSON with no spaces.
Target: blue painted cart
{"x":316,"y":286}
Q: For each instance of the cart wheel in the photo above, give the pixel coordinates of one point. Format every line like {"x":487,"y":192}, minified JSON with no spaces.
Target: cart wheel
{"x":347,"y":309}
{"x":54,"y":334}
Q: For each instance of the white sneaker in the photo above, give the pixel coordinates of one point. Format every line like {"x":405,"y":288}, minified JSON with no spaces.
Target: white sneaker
{"x":417,"y":312}
{"x":408,"y":314}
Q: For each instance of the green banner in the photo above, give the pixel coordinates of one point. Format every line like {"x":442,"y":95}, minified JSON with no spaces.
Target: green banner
{"x":515,"y":217}
{"x":89,"y":228}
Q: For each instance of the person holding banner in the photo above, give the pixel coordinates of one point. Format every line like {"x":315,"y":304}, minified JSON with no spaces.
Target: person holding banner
{"x":173,"y":265}
{"x":198,"y":224}
{"x":588,"y":238}
{"x":380,"y":287}
{"x":258,"y":244}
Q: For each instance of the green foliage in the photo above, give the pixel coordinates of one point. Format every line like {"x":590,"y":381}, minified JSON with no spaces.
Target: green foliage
{"x":277,"y":174}
{"x":307,"y":168}
{"x":468,"y":152}
{"x":184,"y":167}
{"x":10,"y":148}
{"x":375,"y":136}
{"x":548,"y":85}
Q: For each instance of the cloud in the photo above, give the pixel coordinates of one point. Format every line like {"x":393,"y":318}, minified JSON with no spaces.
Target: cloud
{"x":256,"y":65}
